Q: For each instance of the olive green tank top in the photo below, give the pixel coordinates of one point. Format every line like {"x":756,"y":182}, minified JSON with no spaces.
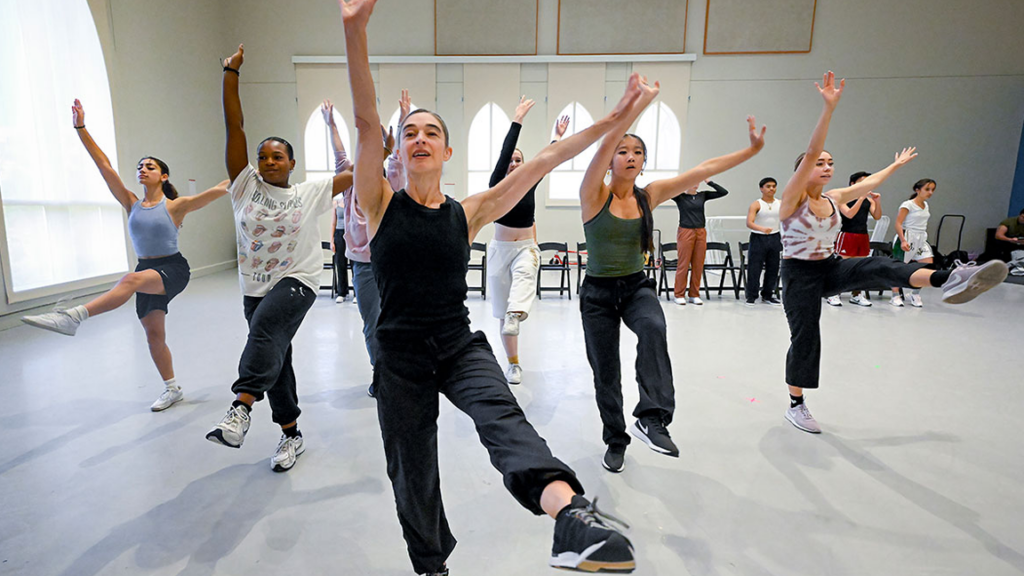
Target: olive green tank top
{"x":613,"y":244}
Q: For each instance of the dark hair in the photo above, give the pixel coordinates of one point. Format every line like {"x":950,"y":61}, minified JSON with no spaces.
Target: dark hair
{"x":643,"y":200}
{"x":921,"y":184}
{"x":801,"y":157}
{"x":767,"y":180}
{"x":857,"y":176}
{"x":1021,"y":212}
{"x":287,"y":145}
{"x":444,"y":127}
{"x":170,"y":192}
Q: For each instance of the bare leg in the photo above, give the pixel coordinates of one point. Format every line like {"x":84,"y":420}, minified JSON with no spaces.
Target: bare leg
{"x":147,"y":282}
{"x":511,"y":343}
{"x":794,"y":391}
{"x":156,"y":336}
{"x":922,"y":278}
{"x":556,"y":496}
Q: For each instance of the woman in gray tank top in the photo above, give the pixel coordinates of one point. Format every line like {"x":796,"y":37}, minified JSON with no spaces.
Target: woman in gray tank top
{"x":162,"y":272}
{"x":618,"y":224}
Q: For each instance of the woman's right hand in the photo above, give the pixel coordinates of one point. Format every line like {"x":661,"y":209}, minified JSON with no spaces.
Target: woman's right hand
{"x":356,"y":12}
{"x":828,"y":89}
{"x":77,"y":114}
{"x":905,"y":246}
{"x":524,"y":106}
{"x":327,"y":109}
{"x":235,"y":60}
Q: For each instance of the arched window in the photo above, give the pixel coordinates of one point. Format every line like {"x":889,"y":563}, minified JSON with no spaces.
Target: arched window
{"x":63,"y":228}
{"x":659,"y":128}
{"x":486,"y":134}
{"x":567,"y":176}
{"x":319,"y":152}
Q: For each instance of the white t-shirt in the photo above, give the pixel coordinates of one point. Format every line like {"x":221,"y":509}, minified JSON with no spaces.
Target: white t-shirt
{"x":917,"y":217}
{"x":277,"y":231}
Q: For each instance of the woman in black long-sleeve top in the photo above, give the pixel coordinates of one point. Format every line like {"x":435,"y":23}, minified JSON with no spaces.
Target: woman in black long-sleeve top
{"x":692,"y":240}
{"x":513,"y":258}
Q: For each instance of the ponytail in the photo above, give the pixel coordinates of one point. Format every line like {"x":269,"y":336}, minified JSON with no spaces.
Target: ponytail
{"x":170,"y":192}
{"x":643,"y":200}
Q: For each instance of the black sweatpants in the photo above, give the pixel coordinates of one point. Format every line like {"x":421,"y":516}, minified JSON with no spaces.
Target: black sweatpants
{"x":408,"y":379}
{"x":605,"y":303}
{"x":764,"y":254}
{"x":340,"y":263}
{"x":806,"y":282}
{"x":266,"y":364}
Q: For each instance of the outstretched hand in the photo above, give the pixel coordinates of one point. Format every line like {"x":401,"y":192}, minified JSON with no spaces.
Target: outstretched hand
{"x":905,"y":156}
{"x":874,"y":195}
{"x":521,"y":110}
{"x":356,"y":12}
{"x":561,"y":126}
{"x":404,"y":106}
{"x":828,"y":89}
{"x":638,"y":93}
{"x":327,"y":109}
{"x":756,"y":139}
{"x":235,"y":60}
{"x":77,"y":114}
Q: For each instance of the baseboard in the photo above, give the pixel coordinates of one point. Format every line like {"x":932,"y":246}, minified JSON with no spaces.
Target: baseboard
{"x":213,"y":268}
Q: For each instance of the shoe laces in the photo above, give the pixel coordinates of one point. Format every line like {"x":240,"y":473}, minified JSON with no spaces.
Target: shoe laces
{"x":802,"y":409}
{"x":234,"y":415}
{"x":658,"y":425}
{"x":166,"y":394}
{"x":958,"y":264}
{"x":592,"y":516}
{"x":286,"y":440}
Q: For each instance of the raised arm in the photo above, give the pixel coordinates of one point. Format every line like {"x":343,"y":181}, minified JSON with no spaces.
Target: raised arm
{"x":341,"y":161}
{"x":121,"y":193}
{"x":851,"y":211}
{"x":182,"y":205}
{"x":861,"y":189}
{"x":796,"y":189}
{"x":663,"y":190}
{"x":508,"y":147}
{"x":371,"y":188}
{"x":236,"y":154}
{"x":592,"y":187}
{"x":876,"y":205}
{"x":719,"y":191}
{"x":483,"y":208}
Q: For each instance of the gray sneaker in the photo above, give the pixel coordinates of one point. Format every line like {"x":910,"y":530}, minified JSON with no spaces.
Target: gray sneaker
{"x":170,"y":396}
{"x":969,"y":280}
{"x":514,"y":374}
{"x":59,"y":321}
{"x":288,"y":451}
{"x":800,"y":417}
{"x":511,"y":327}
{"x":231,"y":429}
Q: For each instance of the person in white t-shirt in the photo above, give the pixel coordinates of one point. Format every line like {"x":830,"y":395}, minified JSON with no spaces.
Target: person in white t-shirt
{"x":279,"y":266}
{"x":912,"y":235}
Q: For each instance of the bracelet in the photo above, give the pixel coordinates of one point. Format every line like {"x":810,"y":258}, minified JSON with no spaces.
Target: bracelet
{"x":230,"y":69}
{"x":82,"y":127}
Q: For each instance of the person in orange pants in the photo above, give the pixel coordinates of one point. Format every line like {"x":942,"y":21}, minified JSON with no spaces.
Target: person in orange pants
{"x":692,"y":240}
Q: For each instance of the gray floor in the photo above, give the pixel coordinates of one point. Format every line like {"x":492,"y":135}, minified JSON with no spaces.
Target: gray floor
{"x":919,"y":470}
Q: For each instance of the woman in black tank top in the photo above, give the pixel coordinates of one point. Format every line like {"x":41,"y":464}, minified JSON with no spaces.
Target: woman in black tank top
{"x":420,"y":243}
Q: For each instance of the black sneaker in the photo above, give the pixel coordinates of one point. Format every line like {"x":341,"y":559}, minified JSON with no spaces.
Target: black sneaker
{"x":772,"y":301}
{"x":588,"y":541}
{"x":652,"y":431}
{"x":442,"y":572}
{"x":614,"y":458}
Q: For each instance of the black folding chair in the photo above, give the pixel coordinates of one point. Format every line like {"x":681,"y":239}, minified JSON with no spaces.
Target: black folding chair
{"x":558,"y":262}
{"x":480,"y":266}
{"x":581,"y":264}
{"x":725,"y":266}
{"x":667,"y":265}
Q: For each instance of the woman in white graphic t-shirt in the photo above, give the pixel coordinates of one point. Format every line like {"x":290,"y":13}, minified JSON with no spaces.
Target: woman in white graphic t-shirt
{"x":912,"y":235}
{"x":279,"y":266}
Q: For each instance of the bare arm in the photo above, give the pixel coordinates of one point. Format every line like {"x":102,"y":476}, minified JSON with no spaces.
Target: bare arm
{"x":121,"y":193}
{"x":342,"y":181}
{"x":663,"y":190}
{"x":876,"y":205}
{"x":236,"y":154}
{"x":341,"y":162}
{"x":334,"y":224}
{"x":851,"y":211}
{"x":751,"y":214}
{"x":898,"y":225}
{"x":796,"y":189}
{"x":182,"y":205}
{"x":372,"y":190}
{"x":1001,"y":235}
{"x":861,"y":189}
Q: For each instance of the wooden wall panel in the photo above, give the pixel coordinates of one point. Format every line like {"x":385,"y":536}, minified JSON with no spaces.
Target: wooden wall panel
{"x":610,"y":27}
{"x":485,"y":27}
{"x":759,"y":27}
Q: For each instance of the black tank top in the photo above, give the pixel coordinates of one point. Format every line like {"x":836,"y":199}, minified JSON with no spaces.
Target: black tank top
{"x":420,"y":260}
{"x":859,"y":223}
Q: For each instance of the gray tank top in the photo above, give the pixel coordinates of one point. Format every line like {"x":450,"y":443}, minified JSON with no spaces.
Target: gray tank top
{"x":152,"y":231}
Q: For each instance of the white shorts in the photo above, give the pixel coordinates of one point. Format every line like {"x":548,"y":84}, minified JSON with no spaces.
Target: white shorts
{"x":920,"y":249}
{"x":512,"y":269}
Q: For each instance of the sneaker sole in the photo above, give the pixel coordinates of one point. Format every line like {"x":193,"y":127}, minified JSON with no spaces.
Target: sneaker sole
{"x":582,"y":563}
{"x":610,"y":469}
{"x":799,"y":427}
{"x":989,"y":275}
{"x":217,"y":437}
{"x":279,"y":468}
{"x":35,"y":324}
{"x":161,"y":409}
{"x":636,"y":431}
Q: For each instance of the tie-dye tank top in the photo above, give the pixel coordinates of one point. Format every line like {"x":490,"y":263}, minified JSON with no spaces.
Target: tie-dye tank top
{"x":808,"y":237}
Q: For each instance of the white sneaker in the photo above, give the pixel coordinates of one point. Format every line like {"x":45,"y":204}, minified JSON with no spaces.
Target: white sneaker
{"x":1017,"y":271}
{"x":800,"y":417}
{"x":514,"y":374}
{"x":834,"y":301}
{"x":695,"y":300}
{"x":859,"y":300}
{"x":896,"y":301}
{"x":339,"y":300}
{"x":170,"y":396}
{"x":59,"y":321}
{"x":680,"y":301}
{"x":288,"y":451}
{"x":969,"y":280}
{"x":511,"y":327}
{"x":231,"y":429}
{"x":915,"y":301}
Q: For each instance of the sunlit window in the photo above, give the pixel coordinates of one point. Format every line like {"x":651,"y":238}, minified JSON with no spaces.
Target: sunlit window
{"x":659,"y":128}
{"x":319,"y":152}
{"x":486,"y":134}
{"x":567,"y":176}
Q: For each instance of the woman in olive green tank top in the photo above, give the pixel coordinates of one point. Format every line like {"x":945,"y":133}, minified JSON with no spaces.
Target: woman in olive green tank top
{"x":618,"y":224}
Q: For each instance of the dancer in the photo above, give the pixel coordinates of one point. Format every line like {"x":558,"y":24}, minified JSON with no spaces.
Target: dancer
{"x":421,"y":241}
{"x":811,"y":270}
{"x":618,"y":224}
{"x":692,"y":240}
{"x":911,"y":242}
{"x":513,"y":258}
{"x":279,"y":266}
{"x":162,"y":272}
{"x":765,"y":249}
{"x":853,"y":240}
{"x":340,"y":261}
{"x":357,"y":243}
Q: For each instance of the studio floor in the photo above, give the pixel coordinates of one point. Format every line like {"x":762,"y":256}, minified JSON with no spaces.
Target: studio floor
{"x":918,"y":471}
